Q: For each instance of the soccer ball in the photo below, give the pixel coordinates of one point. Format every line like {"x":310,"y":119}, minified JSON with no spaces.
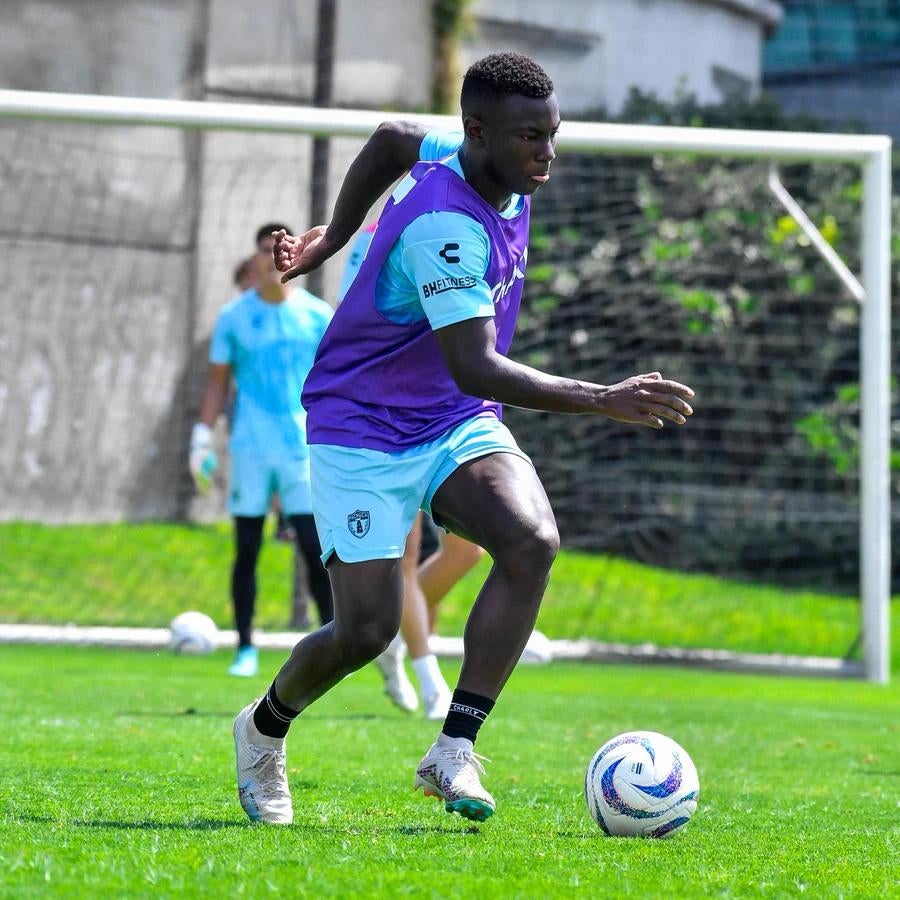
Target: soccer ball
{"x":193,"y":632}
{"x":641,"y":784}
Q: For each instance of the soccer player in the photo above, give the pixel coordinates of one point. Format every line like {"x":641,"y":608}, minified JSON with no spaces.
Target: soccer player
{"x":404,"y":413}
{"x":245,"y":274}
{"x":267,"y":339}
{"x":244,"y":279}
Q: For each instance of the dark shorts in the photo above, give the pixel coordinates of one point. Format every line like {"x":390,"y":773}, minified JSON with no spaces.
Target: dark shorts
{"x":431,"y":538}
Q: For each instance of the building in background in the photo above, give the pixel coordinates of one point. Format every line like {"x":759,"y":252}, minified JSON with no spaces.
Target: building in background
{"x":838,"y":61}
{"x":598,"y":50}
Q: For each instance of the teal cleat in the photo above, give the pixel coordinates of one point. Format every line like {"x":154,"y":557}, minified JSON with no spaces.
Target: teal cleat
{"x":246,"y":663}
{"x":450,"y":771}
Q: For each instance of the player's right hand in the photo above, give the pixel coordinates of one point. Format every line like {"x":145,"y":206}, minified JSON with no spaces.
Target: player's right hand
{"x":297,"y":254}
{"x":202,"y":460}
{"x":648,"y":400}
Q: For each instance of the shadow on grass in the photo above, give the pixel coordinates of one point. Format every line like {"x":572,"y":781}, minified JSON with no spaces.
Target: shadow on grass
{"x":138,"y":824}
{"x":415,"y":830}
{"x":175,"y":713}
{"x":380,"y":830}
{"x":223,"y":824}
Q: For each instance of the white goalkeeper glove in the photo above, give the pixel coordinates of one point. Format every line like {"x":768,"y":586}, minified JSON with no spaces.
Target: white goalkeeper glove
{"x":202,"y":461}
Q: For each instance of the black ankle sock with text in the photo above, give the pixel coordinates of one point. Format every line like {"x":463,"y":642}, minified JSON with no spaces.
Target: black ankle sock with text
{"x":271,"y":717}
{"x":467,"y":714}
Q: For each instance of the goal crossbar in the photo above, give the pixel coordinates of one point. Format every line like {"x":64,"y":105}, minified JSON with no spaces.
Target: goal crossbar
{"x":871,"y":152}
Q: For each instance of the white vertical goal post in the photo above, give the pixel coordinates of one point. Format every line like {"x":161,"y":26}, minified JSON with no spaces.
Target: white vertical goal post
{"x":871,"y":153}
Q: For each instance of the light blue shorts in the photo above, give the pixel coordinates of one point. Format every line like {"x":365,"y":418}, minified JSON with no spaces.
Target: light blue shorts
{"x":254,"y":479}
{"x":365,"y":501}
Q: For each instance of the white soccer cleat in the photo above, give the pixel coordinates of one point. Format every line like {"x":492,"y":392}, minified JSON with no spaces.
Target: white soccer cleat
{"x":450,"y":770}
{"x":396,"y":682}
{"x":438,"y":705}
{"x":261,"y":776}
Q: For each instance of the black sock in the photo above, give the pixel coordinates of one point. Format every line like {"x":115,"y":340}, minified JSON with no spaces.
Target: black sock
{"x":467,"y":714}
{"x":271,"y":717}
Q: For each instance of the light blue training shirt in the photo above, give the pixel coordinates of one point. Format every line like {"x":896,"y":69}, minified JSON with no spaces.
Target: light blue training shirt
{"x":416,"y":261}
{"x":270,"y":348}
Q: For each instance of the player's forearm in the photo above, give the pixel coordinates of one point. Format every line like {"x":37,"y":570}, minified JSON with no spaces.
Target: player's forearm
{"x":213,"y":403}
{"x":388,"y":154}
{"x":514,"y":384}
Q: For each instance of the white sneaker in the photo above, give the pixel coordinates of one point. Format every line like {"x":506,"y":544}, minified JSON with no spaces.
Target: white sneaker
{"x":261,"y":776}
{"x":450,"y":770}
{"x":438,"y":705}
{"x":396,"y":682}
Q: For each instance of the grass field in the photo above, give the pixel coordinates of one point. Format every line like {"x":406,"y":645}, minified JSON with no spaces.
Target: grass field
{"x":117,"y":779}
{"x":146,"y":574}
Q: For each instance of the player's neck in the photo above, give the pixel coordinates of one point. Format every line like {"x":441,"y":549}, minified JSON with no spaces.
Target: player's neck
{"x":274,"y":293}
{"x":478,"y":179}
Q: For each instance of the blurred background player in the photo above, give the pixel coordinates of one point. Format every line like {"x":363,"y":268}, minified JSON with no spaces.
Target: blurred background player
{"x":245,"y":274}
{"x":444,"y":559}
{"x":266,"y":339}
{"x":244,"y":279}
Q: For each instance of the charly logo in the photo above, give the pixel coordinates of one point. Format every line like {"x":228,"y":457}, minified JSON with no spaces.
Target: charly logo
{"x":445,"y":253}
{"x":499,"y":291}
{"x":358,"y":522}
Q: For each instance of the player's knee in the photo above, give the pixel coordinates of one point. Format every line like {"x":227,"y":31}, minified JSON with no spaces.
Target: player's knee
{"x":363,"y":643}
{"x":528,"y":552}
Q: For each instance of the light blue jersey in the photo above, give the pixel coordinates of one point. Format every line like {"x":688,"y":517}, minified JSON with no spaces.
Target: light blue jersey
{"x":436,"y":145}
{"x":355,"y":259}
{"x":416,"y":262}
{"x":420,"y":277}
{"x":270,"y":348}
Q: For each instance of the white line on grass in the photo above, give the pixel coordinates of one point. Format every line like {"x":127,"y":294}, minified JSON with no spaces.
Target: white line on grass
{"x":452,"y":647}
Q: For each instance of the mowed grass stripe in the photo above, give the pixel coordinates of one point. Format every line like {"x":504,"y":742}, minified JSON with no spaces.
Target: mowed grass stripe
{"x":117,"y":776}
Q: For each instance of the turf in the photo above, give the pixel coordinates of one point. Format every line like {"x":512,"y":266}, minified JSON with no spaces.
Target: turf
{"x":145,"y":574}
{"x":117,"y":779}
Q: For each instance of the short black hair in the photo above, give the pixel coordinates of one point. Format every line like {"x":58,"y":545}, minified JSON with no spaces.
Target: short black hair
{"x":265,"y":230}
{"x":504,"y":74}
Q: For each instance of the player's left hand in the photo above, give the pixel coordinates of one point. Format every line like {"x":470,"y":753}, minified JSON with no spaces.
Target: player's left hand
{"x":297,"y":254}
{"x":648,"y":400}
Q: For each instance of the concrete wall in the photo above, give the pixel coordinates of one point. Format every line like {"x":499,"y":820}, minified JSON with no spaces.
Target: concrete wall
{"x":117,"y":245}
{"x":96,"y":264}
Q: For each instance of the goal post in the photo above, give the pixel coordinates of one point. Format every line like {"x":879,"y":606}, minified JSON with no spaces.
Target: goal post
{"x":872,"y":154}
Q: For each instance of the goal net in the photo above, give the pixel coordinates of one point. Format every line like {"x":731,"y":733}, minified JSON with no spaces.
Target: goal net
{"x":651,"y":249}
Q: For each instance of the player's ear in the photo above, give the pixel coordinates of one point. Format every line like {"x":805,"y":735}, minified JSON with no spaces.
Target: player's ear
{"x":474,"y":130}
